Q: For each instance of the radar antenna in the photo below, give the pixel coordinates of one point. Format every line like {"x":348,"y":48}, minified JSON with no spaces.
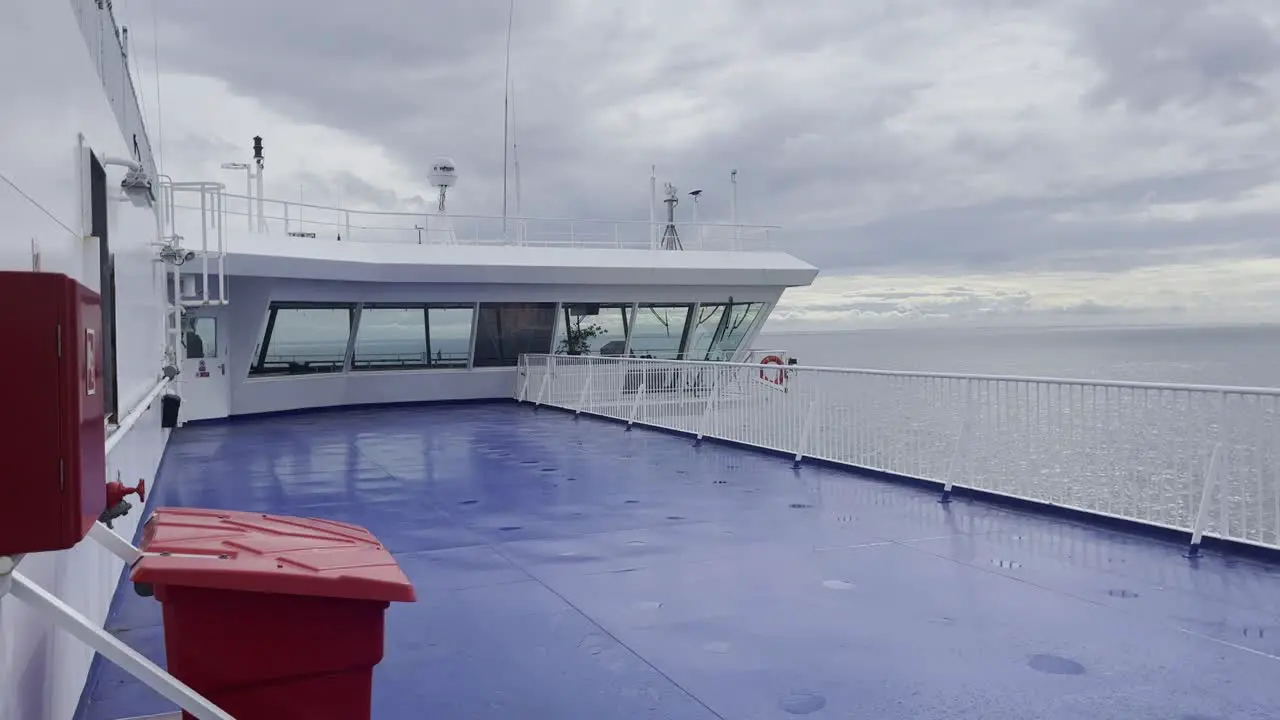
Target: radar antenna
{"x":670,"y":236}
{"x":444,"y":175}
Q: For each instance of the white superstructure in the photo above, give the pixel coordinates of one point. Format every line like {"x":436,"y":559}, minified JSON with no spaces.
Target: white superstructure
{"x":178,"y":258}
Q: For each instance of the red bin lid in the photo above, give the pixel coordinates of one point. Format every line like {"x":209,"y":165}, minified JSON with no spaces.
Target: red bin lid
{"x":253,"y":552}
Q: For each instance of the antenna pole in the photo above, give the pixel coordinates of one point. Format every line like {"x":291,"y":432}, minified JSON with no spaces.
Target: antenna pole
{"x":506,"y":116}
{"x":733,"y":206}
{"x":515,"y":150}
{"x":653,"y":206}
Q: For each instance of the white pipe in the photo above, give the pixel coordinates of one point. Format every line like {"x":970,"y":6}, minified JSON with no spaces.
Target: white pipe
{"x":204,"y":245}
{"x":131,"y":164}
{"x":262,"y":222}
{"x":128,"y":421}
{"x":130,"y":660}
{"x":248,"y":193}
{"x":222,"y":252}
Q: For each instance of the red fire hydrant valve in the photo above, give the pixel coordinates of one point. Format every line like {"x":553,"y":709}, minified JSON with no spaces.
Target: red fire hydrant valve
{"x":117,"y":491}
{"x":116,"y":505}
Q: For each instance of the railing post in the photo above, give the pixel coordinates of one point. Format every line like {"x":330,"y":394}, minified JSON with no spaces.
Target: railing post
{"x":347,"y":219}
{"x":804,"y":434}
{"x":286,"y":219}
{"x":1206,"y":497}
{"x":523,"y":395}
{"x":954,"y":465}
{"x":586,"y":388}
{"x":706,"y":413}
{"x":635,"y":406}
{"x":548,"y":371}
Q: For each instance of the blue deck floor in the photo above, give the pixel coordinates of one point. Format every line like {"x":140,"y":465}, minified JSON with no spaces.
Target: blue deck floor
{"x":573,"y":570}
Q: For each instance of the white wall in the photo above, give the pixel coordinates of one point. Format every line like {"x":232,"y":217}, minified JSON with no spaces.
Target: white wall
{"x":245,"y":319}
{"x":50,"y":92}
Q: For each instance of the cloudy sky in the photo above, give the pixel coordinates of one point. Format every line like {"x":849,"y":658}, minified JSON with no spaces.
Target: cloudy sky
{"x":984,"y":161}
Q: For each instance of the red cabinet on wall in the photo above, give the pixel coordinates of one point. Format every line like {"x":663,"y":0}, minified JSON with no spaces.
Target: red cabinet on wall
{"x":52,"y":433}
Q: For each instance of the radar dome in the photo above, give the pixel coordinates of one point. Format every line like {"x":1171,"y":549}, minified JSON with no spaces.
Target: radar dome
{"x":443,"y":173}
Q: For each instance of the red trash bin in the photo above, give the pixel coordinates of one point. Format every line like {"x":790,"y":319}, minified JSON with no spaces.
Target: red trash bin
{"x":271,"y":617}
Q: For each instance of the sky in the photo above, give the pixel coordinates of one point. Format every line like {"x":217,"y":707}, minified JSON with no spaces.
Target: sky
{"x":979,"y":162}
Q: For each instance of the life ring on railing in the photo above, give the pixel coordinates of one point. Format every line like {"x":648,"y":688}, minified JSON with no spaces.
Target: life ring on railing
{"x":773,"y":376}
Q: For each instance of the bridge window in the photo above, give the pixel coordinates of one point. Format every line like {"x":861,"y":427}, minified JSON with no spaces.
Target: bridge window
{"x":505,"y":330}
{"x":593,"y":329}
{"x":304,"y":339}
{"x":739,"y":321}
{"x":720,"y":329}
{"x":705,"y":333}
{"x":659,"y":331}
{"x":413,"y":337}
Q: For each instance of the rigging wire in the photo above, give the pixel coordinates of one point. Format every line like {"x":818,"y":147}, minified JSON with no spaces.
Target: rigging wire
{"x":155,"y":50}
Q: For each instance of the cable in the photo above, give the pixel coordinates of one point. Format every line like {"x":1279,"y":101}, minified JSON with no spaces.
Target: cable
{"x":155,"y":40}
{"x":32,"y":200}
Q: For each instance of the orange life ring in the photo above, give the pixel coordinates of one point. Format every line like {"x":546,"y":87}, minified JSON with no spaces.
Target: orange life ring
{"x":779,"y":374}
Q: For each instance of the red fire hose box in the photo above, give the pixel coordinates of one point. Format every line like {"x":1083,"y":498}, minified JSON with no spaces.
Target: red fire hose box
{"x":271,"y":617}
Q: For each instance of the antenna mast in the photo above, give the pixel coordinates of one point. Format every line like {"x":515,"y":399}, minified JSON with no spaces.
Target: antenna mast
{"x":670,"y":236}
{"x":515,"y":146}
{"x":506,"y":116}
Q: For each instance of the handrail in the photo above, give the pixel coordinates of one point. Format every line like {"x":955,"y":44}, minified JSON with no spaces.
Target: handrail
{"x":326,"y":222}
{"x":454,"y":216}
{"x":128,"y":421}
{"x":1129,"y":384}
{"x":1136,"y":451}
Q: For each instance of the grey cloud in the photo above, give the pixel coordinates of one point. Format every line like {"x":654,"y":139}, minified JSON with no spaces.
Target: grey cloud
{"x":1182,"y":51}
{"x":425,"y":79}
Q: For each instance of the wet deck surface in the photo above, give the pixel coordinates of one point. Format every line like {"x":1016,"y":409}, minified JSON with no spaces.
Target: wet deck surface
{"x":573,"y":570}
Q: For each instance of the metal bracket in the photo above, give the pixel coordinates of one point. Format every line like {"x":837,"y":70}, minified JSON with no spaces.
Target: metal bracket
{"x":69,"y":619}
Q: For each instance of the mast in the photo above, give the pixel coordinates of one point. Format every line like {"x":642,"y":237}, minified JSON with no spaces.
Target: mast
{"x":506,"y":115}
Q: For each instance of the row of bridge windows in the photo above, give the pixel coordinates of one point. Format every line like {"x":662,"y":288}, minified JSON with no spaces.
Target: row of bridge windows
{"x":306,"y":338}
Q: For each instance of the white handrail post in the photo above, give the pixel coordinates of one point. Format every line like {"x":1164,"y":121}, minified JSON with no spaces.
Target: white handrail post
{"x":130,"y":660}
{"x":347,"y":220}
{"x":548,"y":365}
{"x":204,"y":245}
{"x":1206,"y":497}
{"x":963,"y":434}
{"x":804,"y":434}
{"x":712,"y":397}
{"x":586,"y":387}
{"x":523,"y":394}
{"x":635,"y":406}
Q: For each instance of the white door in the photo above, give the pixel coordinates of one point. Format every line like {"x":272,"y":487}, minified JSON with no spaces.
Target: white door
{"x":204,"y":384}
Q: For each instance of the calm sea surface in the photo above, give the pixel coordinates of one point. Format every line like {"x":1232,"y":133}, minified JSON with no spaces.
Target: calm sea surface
{"x":1248,"y":356}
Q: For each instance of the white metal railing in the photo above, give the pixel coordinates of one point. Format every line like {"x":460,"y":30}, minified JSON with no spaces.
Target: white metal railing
{"x":1201,"y":459}
{"x":305,"y":220}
